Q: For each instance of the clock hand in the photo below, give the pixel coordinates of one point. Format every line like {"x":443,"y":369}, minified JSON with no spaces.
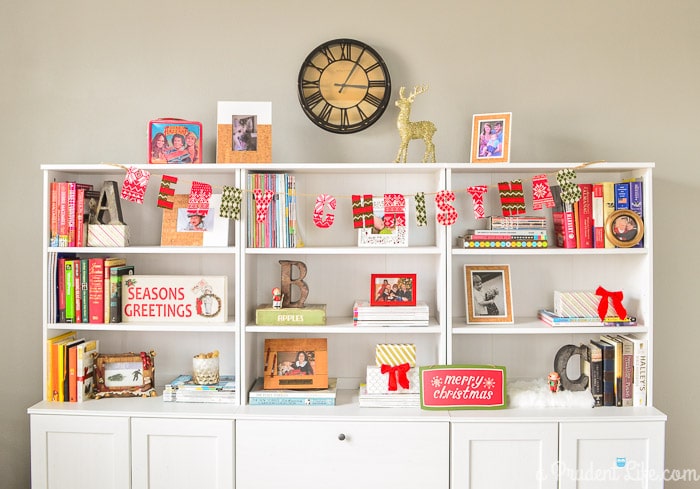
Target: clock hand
{"x":352,"y":70}
{"x":343,"y":85}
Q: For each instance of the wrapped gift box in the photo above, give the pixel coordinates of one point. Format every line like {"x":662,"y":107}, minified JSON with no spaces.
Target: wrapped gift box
{"x":108,"y":235}
{"x":393,"y":354}
{"x":378,"y":383}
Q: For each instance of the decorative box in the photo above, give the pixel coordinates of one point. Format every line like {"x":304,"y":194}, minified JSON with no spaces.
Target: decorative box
{"x":393,"y":354}
{"x":174,"y":141}
{"x":579,"y":304}
{"x":108,"y":235}
{"x":378,"y":382}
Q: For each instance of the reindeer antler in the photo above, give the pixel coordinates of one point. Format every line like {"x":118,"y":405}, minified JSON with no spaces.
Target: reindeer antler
{"x":417,"y":90}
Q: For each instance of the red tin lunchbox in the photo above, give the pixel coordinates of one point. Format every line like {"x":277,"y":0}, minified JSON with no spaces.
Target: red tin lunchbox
{"x":174,"y":141}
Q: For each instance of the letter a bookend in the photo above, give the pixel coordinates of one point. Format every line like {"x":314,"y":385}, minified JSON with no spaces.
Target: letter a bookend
{"x":287,"y":283}
{"x":110,"y":231}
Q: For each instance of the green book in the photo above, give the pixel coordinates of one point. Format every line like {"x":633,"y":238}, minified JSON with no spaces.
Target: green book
{"x":309,"y":315}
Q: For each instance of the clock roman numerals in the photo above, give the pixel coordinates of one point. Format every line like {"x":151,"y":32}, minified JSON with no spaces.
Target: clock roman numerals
{"x":344,"y":86}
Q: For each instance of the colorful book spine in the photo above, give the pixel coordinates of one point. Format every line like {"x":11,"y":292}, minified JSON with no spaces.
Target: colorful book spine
{"x":608,"y":206}
{"x":637,"y":203}
{"x":622,"y":195}
{"x":77,"y":293}
{"x":639,"y":382}
{"x":627,"y":370}
{"x":69,"y":285}
{"x":96,"y":309}
{"x":71,"y":213}
{"x":84,"y":293}
{"x":80,"y":216}
{"x":107,"y":291}
{"x":608,"y":354}
{"x":115,"y":291}
{"x":63,"y":237}
{"x":596,"y":381}
{"x":53,"y":215}
{"x":585,"y":213}
{"x":598,"y":221}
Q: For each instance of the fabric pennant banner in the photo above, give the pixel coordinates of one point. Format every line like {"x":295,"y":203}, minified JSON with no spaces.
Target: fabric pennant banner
{"x":167,"y":190}
{"x":135,"y":184}
{"x":262,"y":203}
{"x":230,"y":203}
{"x":449,"y":215}
{"x":320,"y":220}
{"x":421,"y":214}
{"x":362,"y":211}
{"x":477,"y":192}
{"x":570,"y":191}
{"x":512,"y":197}
{"x":394,"y":210}
{"x":198,"y":203}
{"x":541,"y":193}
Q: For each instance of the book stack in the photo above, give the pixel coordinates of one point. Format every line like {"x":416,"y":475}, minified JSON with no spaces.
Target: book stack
{"x":72,"y":206}
{"x":363,"y":314}
{"x":278,"y":228}
{"x":70,"y":368}
{"x":393,"y":381}
{"x":183,"y":389}
{"x":259,"y":396}
{"x":618,"y":370}
{"x":507,"y":232}
{"x":554,"y":320}
{"x":87,"y":290}
{"x":582,"y":224}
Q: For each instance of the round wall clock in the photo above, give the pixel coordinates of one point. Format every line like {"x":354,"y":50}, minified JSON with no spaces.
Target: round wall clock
{"x":344,"y":86}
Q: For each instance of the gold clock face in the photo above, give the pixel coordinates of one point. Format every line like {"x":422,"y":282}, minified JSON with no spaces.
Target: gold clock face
{"x":344,"y":86}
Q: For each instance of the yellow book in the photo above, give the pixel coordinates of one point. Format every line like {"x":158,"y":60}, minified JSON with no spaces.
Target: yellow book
{"x":608,"y":207}
{"x":52,"y":362}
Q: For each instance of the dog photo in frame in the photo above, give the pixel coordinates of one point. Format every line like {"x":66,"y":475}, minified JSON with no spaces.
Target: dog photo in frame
{"x":244,"y":132}
{"x":488,"y":294}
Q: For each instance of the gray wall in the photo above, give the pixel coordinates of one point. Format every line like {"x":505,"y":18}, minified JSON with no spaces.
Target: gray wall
{"x":587,"y":80}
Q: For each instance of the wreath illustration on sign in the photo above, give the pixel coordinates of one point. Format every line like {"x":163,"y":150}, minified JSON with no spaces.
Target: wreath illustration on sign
{"x":207,"y":304}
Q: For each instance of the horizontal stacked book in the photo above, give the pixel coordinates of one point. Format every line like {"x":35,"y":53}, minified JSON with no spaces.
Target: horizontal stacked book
{"x":507,"y":232}
{"x":259,"y":396}
{"x":363,"y":314}
{"x":183,"y":389}
{"x":273,"y":224}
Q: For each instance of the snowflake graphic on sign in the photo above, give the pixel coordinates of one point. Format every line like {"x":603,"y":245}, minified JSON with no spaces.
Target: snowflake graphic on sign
{"x":436,"y":382}
{"x":540,"y":191}
{"x":489,"y":383}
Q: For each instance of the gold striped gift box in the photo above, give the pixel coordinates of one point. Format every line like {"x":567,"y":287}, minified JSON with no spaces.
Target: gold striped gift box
{"x":393,"y":354}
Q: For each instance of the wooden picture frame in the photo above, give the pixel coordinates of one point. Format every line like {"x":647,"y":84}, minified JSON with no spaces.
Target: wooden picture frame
{"x":210,"y":230}
{"x":125,"y":375}
{"x":624,"y":228}
{"x":488,"y":294}
{"x":393,"y":289}
{"x":244,"y":132}
{"x":491,"y":138}
{"x":286,"y":369}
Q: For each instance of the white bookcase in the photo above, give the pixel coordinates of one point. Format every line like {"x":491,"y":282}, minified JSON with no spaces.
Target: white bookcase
{"x":338,"y":273}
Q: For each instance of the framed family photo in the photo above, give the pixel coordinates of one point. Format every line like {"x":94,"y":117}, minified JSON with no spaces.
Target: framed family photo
{"x":491,"y":138}
{"x":244,"y":132}
{"x":624,"y":228}
{"x":393,"y":289}
{"x":488,"y":296}
{"x":296,"y":363}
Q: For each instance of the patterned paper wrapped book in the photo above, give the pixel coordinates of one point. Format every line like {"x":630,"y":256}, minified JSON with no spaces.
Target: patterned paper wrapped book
{"x":378,"y":383}
{"x":393,"y":354}
{"x":579,"y":304}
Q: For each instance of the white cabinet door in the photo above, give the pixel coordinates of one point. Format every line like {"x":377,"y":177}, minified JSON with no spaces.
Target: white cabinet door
{"x":611,"y":455}
{"x":495,"y":455}
{"x":182,"y":453}
{"x":341,"y":455}
{"x":79,"y":452}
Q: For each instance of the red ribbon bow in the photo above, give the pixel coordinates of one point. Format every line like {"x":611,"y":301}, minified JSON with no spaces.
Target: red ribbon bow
{"x":397,"y":373}
{"x":616,"y":300}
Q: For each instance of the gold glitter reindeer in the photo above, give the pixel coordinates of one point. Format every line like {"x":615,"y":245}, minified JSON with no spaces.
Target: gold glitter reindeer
{"x":413,"y":130}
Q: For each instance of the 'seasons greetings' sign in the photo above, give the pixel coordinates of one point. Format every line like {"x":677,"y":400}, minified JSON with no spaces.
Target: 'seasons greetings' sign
{"x":463,"y":387}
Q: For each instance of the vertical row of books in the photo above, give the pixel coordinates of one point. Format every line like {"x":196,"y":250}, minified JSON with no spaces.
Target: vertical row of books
{"x":87,"y":290}
{"x":273,"y":225}
{"x":69,"y":213}
{"x":70,"y":367}
{"x":582,"y":224}
{"x":617,"y":369}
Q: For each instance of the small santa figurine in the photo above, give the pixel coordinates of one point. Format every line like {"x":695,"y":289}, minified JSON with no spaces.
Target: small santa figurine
{"x":276,"y":298}
{"x":554,"y":381}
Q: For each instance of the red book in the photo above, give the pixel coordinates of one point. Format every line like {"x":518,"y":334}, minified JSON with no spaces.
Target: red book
{"x":73,"y":370}
{"x":71,"y":213}
{"x":96,"y":306}
{"x":53,"y":210}
{"x":564,"y":229}
{"x":585,"y":216}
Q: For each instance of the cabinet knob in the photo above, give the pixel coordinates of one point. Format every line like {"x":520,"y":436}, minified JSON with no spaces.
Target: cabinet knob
{"x":341,"y":436}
